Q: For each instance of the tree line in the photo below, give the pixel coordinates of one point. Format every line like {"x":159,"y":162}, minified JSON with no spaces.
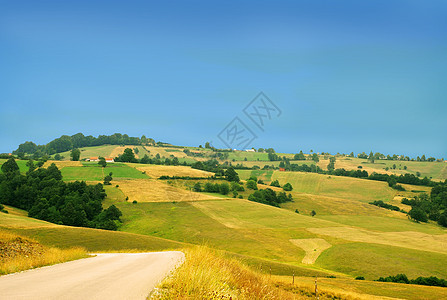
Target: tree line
{"x":79,"y":140}
{"x":45,"y":196}
{"x":402,"y":278}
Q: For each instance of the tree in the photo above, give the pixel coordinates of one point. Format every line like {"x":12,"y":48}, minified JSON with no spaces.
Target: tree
{"x":251,"y":184}
{"x":299,"y":156}
{"x":10,"y":167}
{"x":102,"y":162}
{"x":108,"y":179}
{"x":331,"y":165}
{"x":75,"y":154}
{"x":418,"y":214}
{"x":371,"y":157}
{"x":207,"y":145}
{"x":275,"y":183}
{"x":197,"y":187}
{"x":315,"y":157}
{"x":231,"y":175}
{"x":127,"y":156}
{"x":58,"y":157}
{"x":313,"y":213}
{"x":224,"y":188}
{"x":287,"y":187}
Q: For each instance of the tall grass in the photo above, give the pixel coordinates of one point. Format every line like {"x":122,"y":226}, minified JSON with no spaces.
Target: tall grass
{"x":25,"y":253}
{"x":209,"y":274}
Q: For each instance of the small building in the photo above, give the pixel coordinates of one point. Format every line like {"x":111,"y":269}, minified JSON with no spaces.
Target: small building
{"x":282,"y":169}
{"x":250,"y":150}
{"x":94,"y":158}
{"x":110,"y":160}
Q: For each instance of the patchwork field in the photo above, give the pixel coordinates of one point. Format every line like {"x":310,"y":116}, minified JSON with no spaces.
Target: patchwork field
{"x":147,"y":190}
{"x":404,"y":239}
{"x":155,"y":171}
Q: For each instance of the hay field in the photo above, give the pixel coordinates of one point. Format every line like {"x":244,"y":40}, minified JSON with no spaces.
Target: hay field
{"x":407,"y":239}
{"x":364,"y":289}
{"x":313,"y":248}
{"x":155,"y":171}
{"x":118,"y":150}
{"x":62,"y":164}
{"x":149,"y":190}
{"x":166,"y":152}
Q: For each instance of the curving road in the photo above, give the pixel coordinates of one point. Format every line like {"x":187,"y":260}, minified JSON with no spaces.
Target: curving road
{"x":105,"y":276}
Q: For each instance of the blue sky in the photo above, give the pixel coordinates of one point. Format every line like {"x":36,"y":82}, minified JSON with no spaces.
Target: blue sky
{"x":347,"y":75}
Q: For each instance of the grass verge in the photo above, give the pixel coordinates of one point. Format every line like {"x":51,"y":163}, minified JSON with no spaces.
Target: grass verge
{"x":19,"y":253}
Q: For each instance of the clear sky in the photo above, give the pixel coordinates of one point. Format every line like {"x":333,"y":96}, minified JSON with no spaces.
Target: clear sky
{"x":346,"y":75}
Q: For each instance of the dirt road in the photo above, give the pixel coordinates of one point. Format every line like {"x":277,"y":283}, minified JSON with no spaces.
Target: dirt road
{"x":105,"y":276}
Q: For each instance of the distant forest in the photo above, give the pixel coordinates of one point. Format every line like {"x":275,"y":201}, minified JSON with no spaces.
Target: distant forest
{"x":79,"y":140}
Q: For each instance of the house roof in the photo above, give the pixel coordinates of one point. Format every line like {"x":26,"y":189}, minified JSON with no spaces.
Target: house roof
{"x":94,"y":157}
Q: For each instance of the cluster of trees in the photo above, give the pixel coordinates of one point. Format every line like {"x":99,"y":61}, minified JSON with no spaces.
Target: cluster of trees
{"x":380,"y":203}
{"x":433,"y":207}
{"x":222,"y":188}
{"x":45,"y":196}
{"x":79,"y":140}
{"x":379,"y":156}
{"x":406,"y":179}
{"x":270,"y":197}
{"x":402,"y":278}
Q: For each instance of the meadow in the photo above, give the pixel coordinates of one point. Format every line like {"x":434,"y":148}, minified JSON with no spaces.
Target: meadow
{"x":346,"y":238}
{"x":94,"y":172}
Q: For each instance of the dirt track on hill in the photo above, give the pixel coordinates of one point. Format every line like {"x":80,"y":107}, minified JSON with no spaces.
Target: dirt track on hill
{"x":105,"y":276}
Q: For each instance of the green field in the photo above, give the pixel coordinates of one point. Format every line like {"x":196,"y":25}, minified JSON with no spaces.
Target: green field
{"x":93,"y":172}
{"x":87,"y":152}
{"x":364,"y":240}
{"x":21,"y":163}
{"x":92,"y":239}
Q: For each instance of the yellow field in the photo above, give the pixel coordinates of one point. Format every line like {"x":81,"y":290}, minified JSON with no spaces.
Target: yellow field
{"x":365,"y":289}
{"x":166,"y":152}
{"x":155,"y":171}
{"x":406,"y":239}
{"x":313,"y":248}
{"x":120,"y":150}
{"x":149,"y":190}
{"x":62,"y":164}
{"x":20,"y":253}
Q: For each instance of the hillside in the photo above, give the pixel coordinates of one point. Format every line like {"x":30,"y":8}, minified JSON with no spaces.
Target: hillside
{"x":348,"y":237}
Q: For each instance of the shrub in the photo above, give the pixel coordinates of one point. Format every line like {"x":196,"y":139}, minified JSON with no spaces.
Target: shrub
{"x":287,"y":187}
{"x":251,"y":184}
{"x":134,"y":201}
{"x":275,"y":183}
{"x":360,"y":278}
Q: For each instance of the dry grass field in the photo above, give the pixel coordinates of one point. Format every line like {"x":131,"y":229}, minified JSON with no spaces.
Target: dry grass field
{"x":313,"y":248}
{"x":155,"y":171}
{"x":120,"y":150}
{"x":408,"y":239}
{"x":149,"y":190}
{"x":62,"y":164}
{"x":18,"y":253}
{"x":166,"y":152}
